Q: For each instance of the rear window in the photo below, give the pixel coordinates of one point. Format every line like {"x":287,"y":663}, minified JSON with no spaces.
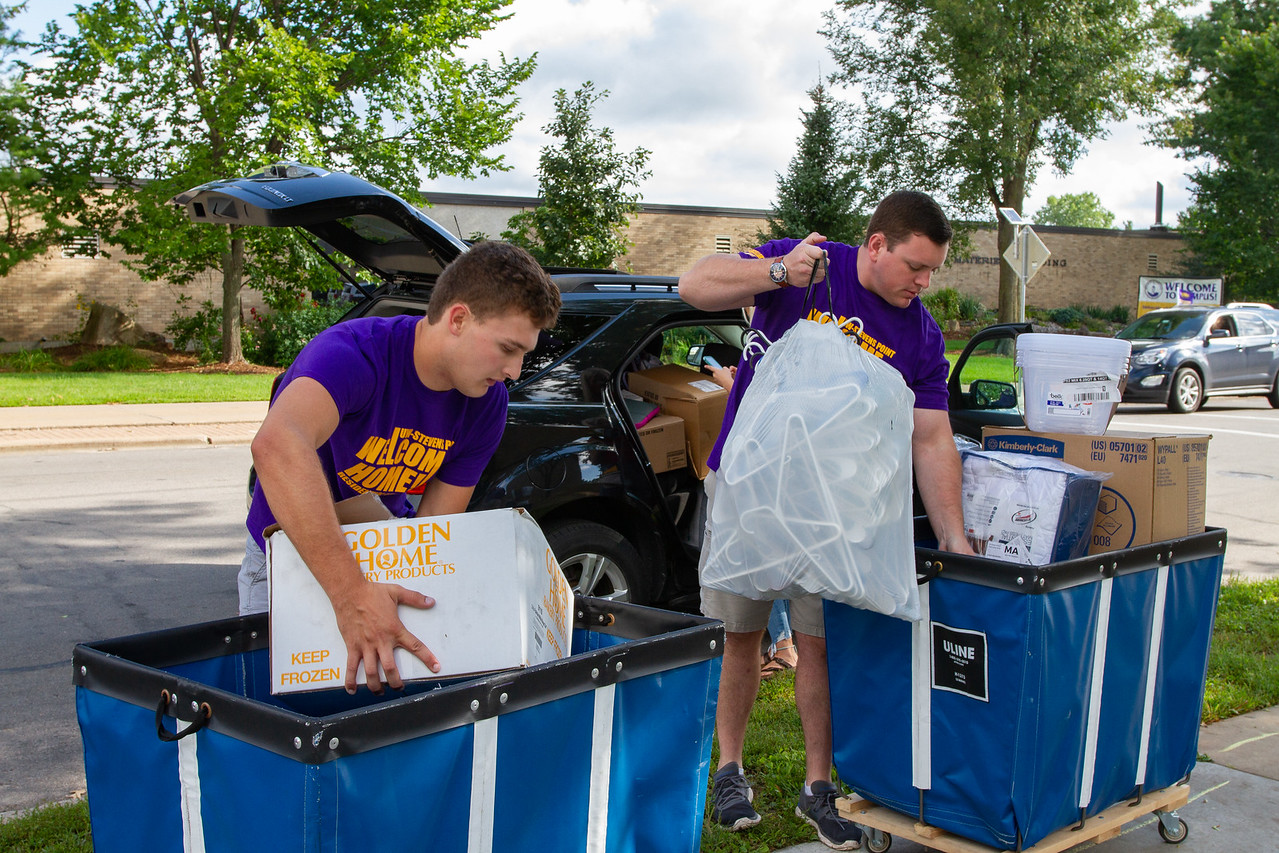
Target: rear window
{"x":569,"y":331}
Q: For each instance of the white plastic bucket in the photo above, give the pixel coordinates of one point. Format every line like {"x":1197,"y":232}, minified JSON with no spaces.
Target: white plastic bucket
{"x":1070,"y":383}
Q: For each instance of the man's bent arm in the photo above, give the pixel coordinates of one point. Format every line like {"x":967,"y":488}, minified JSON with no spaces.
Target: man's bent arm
{"x":718,"y":282}
{"x":439,"y":498}
{"x":939,"y":476}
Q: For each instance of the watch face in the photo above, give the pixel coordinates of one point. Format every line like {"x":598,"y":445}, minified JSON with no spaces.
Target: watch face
{"x":777,"y":272}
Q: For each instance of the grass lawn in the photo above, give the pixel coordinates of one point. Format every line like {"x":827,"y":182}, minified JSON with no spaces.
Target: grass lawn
{"x":83,"y":389}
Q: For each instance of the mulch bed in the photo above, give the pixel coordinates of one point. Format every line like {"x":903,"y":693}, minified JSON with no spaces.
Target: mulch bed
{"x":164,"y":360}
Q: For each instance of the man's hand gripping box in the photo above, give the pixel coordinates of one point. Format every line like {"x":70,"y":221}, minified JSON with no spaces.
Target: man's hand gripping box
{"x":501,"y":601}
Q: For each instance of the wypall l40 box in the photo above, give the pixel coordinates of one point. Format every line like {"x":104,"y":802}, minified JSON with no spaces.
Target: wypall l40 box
{"x":501,"y":601}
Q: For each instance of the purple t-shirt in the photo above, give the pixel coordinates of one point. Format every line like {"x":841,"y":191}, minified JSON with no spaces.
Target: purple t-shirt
{"x":393,"y":433}
{"x":907,"y":338}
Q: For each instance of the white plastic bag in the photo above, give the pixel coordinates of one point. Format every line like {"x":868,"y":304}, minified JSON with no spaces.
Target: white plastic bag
{"x":814,"y":486}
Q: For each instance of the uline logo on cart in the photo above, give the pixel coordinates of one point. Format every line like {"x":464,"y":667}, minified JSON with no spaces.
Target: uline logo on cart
{"x":959,"y":661}
{"x":400,"y":552}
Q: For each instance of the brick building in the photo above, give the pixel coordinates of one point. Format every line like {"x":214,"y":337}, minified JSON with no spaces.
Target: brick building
{"x":48,"y":298}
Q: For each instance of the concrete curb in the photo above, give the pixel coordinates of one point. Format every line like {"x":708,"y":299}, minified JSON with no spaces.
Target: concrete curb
{"x":33,"y":428}
{"x":110,"y":438}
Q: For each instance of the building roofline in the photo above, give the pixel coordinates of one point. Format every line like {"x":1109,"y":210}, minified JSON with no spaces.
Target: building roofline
{"x":483,"y":200}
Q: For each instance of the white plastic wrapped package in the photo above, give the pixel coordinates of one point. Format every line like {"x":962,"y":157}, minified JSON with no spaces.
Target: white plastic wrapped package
{"x":814,"y":486}
{"x":1028,"y":509}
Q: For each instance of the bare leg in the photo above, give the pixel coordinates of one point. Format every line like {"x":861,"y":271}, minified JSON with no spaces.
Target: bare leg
{"x":738,"y":686}
{"x":812,"y":698}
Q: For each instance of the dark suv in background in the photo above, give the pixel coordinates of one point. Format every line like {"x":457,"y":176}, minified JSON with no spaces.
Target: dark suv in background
{"x":1182,"y":356}
{"x":571,"y":453}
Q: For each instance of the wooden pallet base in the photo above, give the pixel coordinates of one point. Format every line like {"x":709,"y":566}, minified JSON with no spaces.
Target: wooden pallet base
{"x":1098,"y":828}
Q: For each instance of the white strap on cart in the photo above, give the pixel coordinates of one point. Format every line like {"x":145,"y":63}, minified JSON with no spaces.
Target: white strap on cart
{"x":601,"y":767}
{"x":189,"y":787}
{"x":479,"y":837}
{"x":484,"y":778}
{"x":1152,"y":670}
{"x":921,"y":671}
{"x":1101,"y":635}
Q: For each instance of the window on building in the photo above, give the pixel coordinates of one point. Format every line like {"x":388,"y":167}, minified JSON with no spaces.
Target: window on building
{"x":723,"y":244}
{"x":1152,"y":263}
{"x":87,"y":246}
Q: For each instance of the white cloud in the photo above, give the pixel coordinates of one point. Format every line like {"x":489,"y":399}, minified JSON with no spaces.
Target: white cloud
{"x":714,"y":90}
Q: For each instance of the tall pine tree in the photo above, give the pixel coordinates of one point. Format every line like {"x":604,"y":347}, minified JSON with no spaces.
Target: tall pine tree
{"x":819,"y":191}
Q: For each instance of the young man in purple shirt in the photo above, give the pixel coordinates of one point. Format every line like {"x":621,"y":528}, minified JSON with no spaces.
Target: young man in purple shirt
{"x":878,"y":283}
{"x":387,"y":405}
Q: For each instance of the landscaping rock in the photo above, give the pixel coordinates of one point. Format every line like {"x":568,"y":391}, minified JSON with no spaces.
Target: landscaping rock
{"x":108,"y":325}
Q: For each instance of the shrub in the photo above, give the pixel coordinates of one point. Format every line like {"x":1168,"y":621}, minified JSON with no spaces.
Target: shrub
{"x":276,"y":339}
{"x":29,"y":361}
{"x":949,"y":304}
{"x":117,"y":358}
{"x":203,"y":329}
{"x":1067,"y":318}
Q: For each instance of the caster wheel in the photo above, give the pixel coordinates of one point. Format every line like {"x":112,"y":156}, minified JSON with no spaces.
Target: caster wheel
{"x":878,"y":842}
{"x":1174,"y":836}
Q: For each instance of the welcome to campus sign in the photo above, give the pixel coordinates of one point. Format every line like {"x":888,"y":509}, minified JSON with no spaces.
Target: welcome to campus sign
{"x":1167,"y":292}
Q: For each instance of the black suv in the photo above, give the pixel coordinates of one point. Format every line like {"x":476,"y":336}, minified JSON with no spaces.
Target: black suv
{"x":571,"y":453}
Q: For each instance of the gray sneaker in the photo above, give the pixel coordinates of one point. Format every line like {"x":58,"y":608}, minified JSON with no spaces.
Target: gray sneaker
{"x":819,"y":810}
{"x":731,"y":797}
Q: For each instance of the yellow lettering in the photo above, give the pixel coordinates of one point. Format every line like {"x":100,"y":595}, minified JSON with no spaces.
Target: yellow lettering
{"x":413,"y":455}
{"x":369,"y":452}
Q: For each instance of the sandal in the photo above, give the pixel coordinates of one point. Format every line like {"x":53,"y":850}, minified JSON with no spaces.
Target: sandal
{"x":773,"y":667}
{"x":786,"y":653}
{"x":784,"y":658}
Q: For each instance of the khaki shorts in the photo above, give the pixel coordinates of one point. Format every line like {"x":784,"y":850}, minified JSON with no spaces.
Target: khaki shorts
{"x":742,"y":615}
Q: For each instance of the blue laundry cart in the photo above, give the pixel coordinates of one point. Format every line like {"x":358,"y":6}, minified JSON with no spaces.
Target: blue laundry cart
{"x":606,"y":750}
{"x":1028,"y":697}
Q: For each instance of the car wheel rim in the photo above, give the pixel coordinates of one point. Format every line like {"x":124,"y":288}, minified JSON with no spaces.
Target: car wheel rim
{"x":1188,"y":390}
{"x":596,"y":575}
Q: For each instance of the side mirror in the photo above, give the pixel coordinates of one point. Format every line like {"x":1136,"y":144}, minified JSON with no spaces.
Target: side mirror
{"x":696,"y":353}
{"x":993,"y":394}
{"x":1219,"y":333}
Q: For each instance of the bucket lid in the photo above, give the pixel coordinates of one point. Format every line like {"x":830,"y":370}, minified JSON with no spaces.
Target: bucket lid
{"x":1074,"y":346}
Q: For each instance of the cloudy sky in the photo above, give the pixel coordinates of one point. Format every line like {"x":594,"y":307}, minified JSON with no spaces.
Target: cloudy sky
{"x":714,"y":89}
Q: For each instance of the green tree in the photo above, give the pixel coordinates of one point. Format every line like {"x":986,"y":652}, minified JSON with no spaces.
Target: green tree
{"x":818,"y":190}
{"x":1078,"y":210}
{"x":586,"y":186}
{"x":160,"y":96}
{"x":1230,"y":59}
{"x":967,"y":100}
{"x":31,"y":197}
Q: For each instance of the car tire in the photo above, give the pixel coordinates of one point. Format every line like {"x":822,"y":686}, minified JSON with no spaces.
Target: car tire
{"x":1273,"y":396}
{"x":591,"y":550}
{"x":1187,"y":392}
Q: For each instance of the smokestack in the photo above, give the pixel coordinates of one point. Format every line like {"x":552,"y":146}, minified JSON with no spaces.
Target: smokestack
{"x":1159,"y":205}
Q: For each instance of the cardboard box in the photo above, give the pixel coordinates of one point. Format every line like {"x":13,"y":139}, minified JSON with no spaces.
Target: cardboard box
{"x":501,"y":601}
{"x":1158,"y":483}
{"x":663,"y":440}
{"x":689,"y":395}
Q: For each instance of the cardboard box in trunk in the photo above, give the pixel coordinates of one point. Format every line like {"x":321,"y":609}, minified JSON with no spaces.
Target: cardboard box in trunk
{"x":663,"y":440}
{"x":501,"y":601}
{"x":692,"y":396}
{"x":1158,"y":483}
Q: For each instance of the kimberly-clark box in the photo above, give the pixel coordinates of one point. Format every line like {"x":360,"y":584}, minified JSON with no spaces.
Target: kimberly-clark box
{"x":1158,"y":484}
{"x":501,"y":601}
